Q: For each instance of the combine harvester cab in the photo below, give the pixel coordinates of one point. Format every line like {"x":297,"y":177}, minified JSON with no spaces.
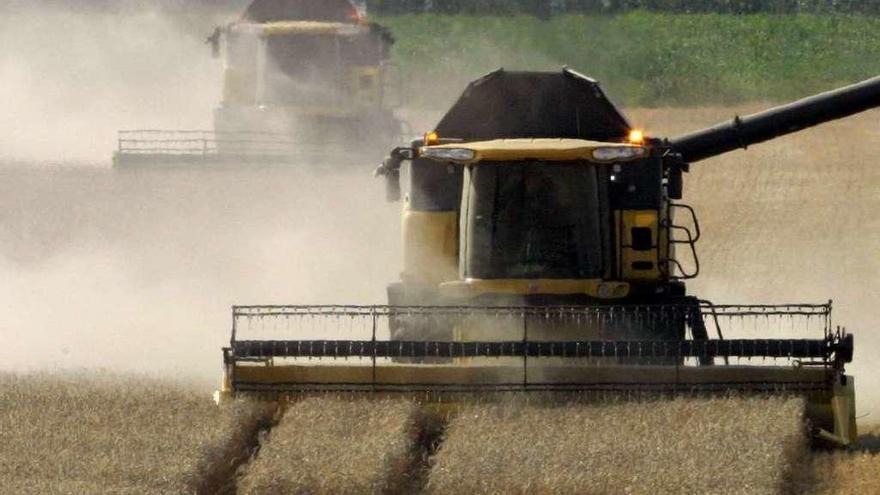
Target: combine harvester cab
{"x":545,"y":252}
{"x":304,"y":81}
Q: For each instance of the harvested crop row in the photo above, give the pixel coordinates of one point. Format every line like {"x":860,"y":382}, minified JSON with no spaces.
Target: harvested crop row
{"x":842,"y":472}
{"x":680,"y":446}
{"x":337,"y":445}
{"x":91,"y":434}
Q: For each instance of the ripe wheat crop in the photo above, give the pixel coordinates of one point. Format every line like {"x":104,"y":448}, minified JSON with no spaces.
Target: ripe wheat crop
{"x":683,"y":446}
{"x":336,"y":446}
{"x":89,"y":434}
{"x":843,"y":472}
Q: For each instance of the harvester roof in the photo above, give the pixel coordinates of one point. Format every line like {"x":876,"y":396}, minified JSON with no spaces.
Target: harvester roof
{"x":562,"y":104}
{"x":541,"y":149}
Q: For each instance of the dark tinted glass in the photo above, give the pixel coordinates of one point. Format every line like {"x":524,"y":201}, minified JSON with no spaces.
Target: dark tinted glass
{"x":301,"y":69}
{"x":533,"y":220}
{"x":434,"y":186}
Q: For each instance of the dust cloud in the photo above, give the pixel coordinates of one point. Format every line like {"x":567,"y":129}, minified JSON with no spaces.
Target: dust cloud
{"x":70,"y":77}
{"x":136,"y":271}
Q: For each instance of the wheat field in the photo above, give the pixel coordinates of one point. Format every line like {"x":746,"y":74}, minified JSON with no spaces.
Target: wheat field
{"x":103,"y":434}
{"x":127,"y":435}
{"x":337,"y":446}
{"x":839,"y":473}
{"x":743,"y":446}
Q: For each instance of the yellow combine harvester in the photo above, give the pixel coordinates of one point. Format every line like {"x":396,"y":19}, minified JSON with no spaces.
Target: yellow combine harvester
{"x":304,"y":80}
{"x":545,"y":250}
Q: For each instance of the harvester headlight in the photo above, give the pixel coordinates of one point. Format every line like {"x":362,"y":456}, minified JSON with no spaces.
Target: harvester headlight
{"x":448,"y":154}
{"x":636,"y":136}
{"x":612,"y":153}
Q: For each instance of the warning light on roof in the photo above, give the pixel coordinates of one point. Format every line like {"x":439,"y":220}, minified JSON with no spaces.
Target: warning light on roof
{"x":357,"y":15}
{"x":636,"y":136}
{"x":432,"y":138}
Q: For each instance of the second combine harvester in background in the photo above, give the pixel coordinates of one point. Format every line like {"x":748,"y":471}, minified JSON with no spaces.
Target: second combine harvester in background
{"x":304,"y":81}
{"x":544,"y":251}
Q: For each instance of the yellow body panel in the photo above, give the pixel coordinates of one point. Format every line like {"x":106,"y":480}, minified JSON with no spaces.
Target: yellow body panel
{"x":630,"y":219}
{"x":364,"y":84}
{"x":239,"y":86}
{"x":489,"y":374}
{"x":843,"y":409}
{"x":830,"y":407}
{"x":430,"y":247}
{"x":591,"y":287}
{"x":543,"y":149}
{"x":310,"y":27}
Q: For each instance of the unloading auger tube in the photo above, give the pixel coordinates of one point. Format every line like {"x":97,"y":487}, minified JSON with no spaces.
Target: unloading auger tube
{"x":294,"y":351}
{"x":742,"y":132}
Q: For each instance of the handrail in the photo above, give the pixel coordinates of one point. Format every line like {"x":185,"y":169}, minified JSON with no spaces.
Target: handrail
{"x":209,"y":143}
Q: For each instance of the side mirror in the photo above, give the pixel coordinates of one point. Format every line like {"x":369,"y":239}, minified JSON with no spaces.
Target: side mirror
{"x":392,"y":186}
{"x":390,"y":169}
{"x":214,"y":41}
{"x":675,"y":188}
{"x":675,"y":184}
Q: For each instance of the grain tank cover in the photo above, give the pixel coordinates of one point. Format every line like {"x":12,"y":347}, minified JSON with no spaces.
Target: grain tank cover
{"x":534,"y":105}
{"x":301,"y":10}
